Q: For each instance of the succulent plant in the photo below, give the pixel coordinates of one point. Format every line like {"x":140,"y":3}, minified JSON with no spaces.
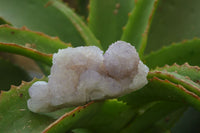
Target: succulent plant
{"x":164,"y":33}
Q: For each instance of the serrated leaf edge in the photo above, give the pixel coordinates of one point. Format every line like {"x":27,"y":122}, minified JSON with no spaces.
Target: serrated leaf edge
{"x":178,"y":86}
{"x":71,"y":113}
{"x":24,"y":28}
{"x":183,"y":65}
{"x":32,"y":53}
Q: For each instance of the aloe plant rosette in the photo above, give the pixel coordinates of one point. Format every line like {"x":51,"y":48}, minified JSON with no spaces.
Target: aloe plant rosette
{"x":170,"y":102}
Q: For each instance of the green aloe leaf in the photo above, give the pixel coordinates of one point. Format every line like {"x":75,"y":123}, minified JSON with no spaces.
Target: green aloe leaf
{"x":31,"y":39}
{"x":185,"y":91}
{"x":80,"y":26}
{"x":110,"y":115}
{"x":162,"y":90}
{"x":14,"y":112}
{"x":81,"y":131}
{"x":145,"y":121}
{"x":191,"y":72}
{"x":178,"y":79}
{"x":11,"y":75}
{"x":187,"y":51}
{"x":165,"y":124}
{"x":28,"y":52}
{"x":139,"y":23}
{"x":39,"y":15}
{"x":174,"y":21}
{"x":107,"y":19}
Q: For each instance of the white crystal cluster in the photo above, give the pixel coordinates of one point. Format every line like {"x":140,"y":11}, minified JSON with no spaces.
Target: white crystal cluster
{"x":84,"y":74}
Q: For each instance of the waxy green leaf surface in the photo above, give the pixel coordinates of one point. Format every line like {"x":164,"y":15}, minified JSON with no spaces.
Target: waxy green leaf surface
{"x":107,"y":19}
{"x":139,"y":22}
{"x":14,"y":112}
{"x":162,"y":90}
{"x":28,"y":52}
{"x":40,"y":15}
{"x":86,"y":34}
{"x":187,"y":51}
{"x":191,"y":72}
{"x":31,"y":39}
{"x":174,"y":21}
